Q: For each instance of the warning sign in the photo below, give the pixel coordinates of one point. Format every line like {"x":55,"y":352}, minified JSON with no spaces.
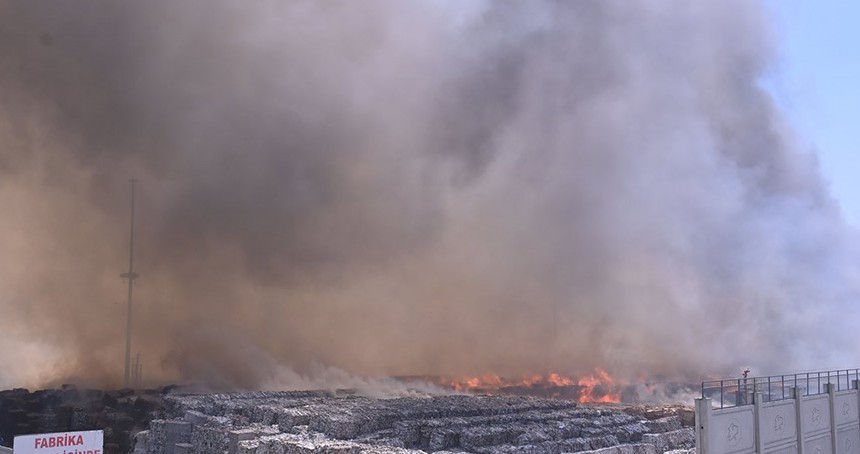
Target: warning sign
{"x":89,"y":442}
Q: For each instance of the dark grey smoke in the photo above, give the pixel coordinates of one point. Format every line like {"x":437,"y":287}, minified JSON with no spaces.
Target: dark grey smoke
{"x":447,"y":188}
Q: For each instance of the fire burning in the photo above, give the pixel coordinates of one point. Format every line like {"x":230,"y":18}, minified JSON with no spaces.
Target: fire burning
{"x":597,"y":387}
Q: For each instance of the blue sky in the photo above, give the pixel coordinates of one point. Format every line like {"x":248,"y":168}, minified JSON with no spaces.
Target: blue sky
{"x":817,"y":83}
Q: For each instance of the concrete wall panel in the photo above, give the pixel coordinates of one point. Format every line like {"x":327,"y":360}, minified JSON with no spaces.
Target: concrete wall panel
{"x":732,"y":430}
{"x":848,"y":441}
{"x":818,"y":445}
{"x":815,"y":413}
{"x":790,"y":449}
{"x":778,"y":422}
{"x":845,"y":407}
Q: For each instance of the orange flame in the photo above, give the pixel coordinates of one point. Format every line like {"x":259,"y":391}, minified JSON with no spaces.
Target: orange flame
{"x":559,"y":380}
{"x":597,"y":387}
{"x":488,"y":381}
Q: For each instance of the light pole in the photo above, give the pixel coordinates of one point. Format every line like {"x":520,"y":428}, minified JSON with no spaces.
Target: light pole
{"x":131,"y":276}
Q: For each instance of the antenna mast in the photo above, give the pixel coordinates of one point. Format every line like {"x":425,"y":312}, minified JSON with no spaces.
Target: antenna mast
{"x":131,"y":276}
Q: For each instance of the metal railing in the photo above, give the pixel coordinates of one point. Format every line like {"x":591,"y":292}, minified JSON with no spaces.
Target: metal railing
{"x":735,"y":392}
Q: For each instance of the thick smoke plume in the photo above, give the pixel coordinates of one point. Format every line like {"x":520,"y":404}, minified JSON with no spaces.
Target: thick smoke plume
{"x":409,"y":188}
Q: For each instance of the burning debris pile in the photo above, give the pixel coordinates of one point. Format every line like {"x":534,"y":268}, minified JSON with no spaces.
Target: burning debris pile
{"x":597,"y":387}
{"x":538,"y":416}
{"x":317,"y":421}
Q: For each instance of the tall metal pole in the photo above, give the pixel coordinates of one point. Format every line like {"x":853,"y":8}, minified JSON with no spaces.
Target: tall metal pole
{"x":131,"y":276}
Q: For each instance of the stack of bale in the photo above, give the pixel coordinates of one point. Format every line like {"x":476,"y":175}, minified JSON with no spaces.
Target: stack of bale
{"x":315,"y":422}
{"x":160,"y":422}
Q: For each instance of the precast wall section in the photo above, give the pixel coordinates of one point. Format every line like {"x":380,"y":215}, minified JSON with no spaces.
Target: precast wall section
{"x":827,"y":423}
{"x":725,"y":431}
{"x":777,"y":427}
{"x":846,"y":421}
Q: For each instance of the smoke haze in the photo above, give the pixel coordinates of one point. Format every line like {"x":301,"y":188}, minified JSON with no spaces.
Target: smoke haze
{"x":406,"y":188}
